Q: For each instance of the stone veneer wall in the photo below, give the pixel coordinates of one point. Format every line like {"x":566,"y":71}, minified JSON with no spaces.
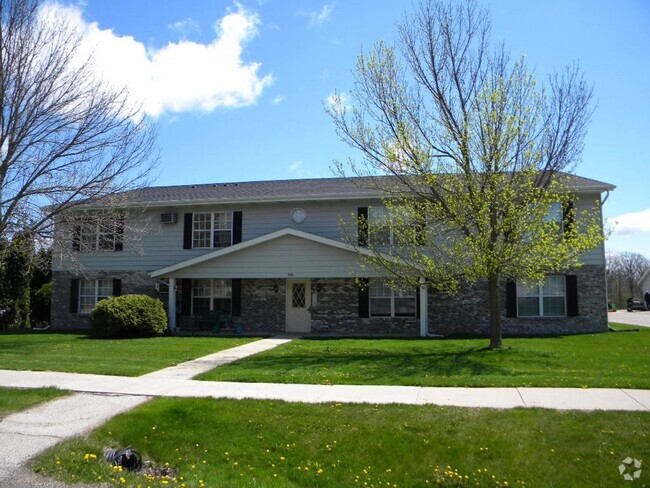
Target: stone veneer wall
{"x":337,"y":312}
{"x":467,"y":313}
{"x":336,"y":309}
{"x":61,"y":318}
{"x":263,"y":306}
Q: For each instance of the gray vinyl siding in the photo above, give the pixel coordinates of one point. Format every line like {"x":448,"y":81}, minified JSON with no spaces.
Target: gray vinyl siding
{"x":160,"y":245}
{"x":284,"y":257}
{"x":591,"y":202}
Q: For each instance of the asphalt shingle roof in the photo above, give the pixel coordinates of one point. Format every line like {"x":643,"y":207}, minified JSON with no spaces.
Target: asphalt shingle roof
{"x":279,"y":190}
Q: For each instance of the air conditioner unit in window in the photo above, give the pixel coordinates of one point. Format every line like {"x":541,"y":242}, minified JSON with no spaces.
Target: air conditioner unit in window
{"x":168,"y":218}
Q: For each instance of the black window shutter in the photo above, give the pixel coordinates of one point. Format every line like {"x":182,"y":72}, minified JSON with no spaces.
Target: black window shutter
{"x":511,"y":299}
{"x":76,"y":238}
{"x":117,"y":287}
{"x":236,"y":227}
{"x":74,"y":295}
{"x":186,"y":297}
{"x":236,"y":298}
{"x":364,"y":299}
{"x":568,"y":217}
{"x":187,"y":231}
{"x":362,"y":223}
{"x":572,"y":296}
{"x":119,"y":233}
{"x":417,"y":302}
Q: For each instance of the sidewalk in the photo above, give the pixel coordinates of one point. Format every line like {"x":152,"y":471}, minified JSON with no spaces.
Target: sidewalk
{"x":98,"y":398}
{"x":152,"y":386}
{"x":639,"y":318}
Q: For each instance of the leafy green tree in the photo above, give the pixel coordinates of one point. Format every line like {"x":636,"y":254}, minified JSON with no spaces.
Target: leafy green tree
{"x":15,"y":297}
{"x":480,"y":157}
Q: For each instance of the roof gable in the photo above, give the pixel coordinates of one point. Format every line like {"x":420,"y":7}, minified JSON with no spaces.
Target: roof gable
{"x":258,"y":241}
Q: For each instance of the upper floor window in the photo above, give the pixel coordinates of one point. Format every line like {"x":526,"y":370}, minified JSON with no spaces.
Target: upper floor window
{"x":381,"y":232}
{"x":556,"y":215}
{"x":545,"y":300}
{"x":91,"y":292}
{"x":98,"y":233}
{"x":388,"y":302}
{"x":212,"y":230}
{"x":384,"y":231}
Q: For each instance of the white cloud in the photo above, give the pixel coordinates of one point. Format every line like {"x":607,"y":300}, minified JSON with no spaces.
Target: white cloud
{"x":185,"y":27}
{"x":181,"y":76}
{"x":338,"y":102}
{"x":293,"y":167}
{"x":297,"y":170}
{"x":632,"y":223}
{"x":277,"y":100}
{"x":318,"y":17}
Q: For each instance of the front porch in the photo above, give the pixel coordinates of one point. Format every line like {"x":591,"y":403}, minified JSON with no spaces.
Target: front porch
{"x":286,"y":282}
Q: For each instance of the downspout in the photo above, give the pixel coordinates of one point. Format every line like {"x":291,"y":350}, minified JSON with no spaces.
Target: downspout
{"x":424,"y":311}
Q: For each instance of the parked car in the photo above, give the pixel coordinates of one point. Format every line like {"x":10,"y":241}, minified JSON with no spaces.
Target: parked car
{"x":635,"y":304}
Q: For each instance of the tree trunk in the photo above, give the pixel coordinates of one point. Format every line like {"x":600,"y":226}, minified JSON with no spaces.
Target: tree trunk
{"x":495,"y":312}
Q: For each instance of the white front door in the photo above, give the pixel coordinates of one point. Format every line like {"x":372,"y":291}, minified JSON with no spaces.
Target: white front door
{"x":298,"y":303}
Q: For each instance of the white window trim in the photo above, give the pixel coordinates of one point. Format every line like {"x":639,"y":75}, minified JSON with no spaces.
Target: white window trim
{"x":211,"y":229}
{"x":92,"y":227}
{"x":393,"y":296}
{"x":211,"y":295}
{"x":540,"y":297}
{"x":96,"y":297}
{"x":383,"y":213}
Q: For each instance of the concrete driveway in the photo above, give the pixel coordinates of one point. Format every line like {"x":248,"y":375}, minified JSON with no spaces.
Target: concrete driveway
{"x":630,"y":318}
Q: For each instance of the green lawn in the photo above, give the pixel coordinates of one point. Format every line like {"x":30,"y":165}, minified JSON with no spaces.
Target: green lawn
{"x":230,"y":443}
{"x":77,"y":353}
{"x":608,"y":360}
{"x":16,"y":399}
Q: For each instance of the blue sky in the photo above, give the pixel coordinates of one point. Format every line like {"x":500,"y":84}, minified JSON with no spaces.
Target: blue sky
{"x":239,"y":88}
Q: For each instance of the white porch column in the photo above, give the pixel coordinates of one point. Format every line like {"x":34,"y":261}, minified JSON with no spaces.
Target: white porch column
{"x":424,"y":308}
{"x":171,"y":304}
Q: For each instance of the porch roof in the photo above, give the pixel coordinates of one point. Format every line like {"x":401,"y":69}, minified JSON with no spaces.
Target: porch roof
{"x":284,"y":253}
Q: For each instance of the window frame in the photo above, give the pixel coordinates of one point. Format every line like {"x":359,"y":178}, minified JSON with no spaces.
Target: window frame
{"x":525,"y":292}
{"x":95,"y":295}
{"x":384,"y":224}
{"x":94,"y":230}
{"x":393,"y":296}
{"x":211,"y":229}
{"x":218,"y":289}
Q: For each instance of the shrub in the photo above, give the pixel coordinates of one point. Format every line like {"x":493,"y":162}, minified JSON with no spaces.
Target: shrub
{"x":40,"y":302}
{"x":128,"y":316}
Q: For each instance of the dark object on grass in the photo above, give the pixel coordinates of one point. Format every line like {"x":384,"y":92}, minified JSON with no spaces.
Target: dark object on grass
{"x":128,"y":458}
{"x":612,"y":329}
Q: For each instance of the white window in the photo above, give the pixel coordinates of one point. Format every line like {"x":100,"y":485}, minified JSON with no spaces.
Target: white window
{"x":92,"y":291}
{"x":556,"y":215}
{"x":388,"y":302}
{"x":210,"y":295}
{"x":380,"y":229}
{"x":211,"y":230}
{"x":97,"y":234}
{"x":545,"y":300}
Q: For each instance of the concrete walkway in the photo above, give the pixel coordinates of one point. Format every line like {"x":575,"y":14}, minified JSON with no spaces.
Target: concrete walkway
{"x":640,"y":318}
{"x":26,"y":434}
{"x":152,"y":386}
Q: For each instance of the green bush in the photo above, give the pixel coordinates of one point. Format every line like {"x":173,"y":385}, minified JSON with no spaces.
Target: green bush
{"x":40,"y":302}
{"x":128,"y":316}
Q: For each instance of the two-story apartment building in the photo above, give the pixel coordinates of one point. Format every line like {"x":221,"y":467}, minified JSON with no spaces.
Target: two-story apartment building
{"x":271,"y":255}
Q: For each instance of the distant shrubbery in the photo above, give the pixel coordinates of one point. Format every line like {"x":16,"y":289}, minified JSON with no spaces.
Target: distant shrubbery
{"x":128,"y":316}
